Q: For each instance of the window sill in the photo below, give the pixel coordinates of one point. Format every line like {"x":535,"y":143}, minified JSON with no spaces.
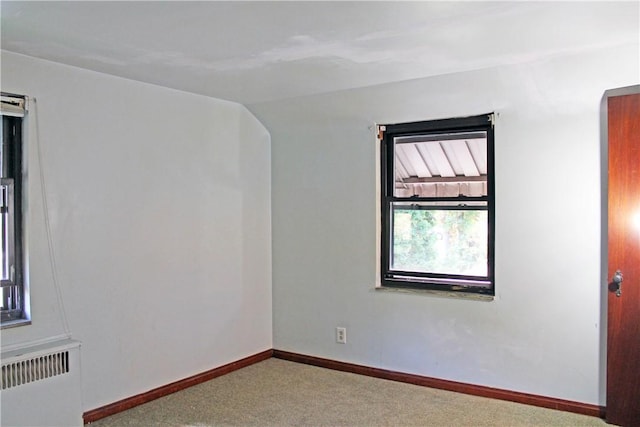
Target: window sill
{"x":15,"y":323}
{"x":436,"y":293}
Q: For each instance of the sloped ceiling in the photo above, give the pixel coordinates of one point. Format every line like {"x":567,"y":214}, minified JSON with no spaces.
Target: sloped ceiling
{"x":253,"y":52}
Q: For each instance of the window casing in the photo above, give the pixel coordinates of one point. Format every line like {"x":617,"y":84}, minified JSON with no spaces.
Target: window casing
{"x":437,"y":201}
{"x":11,"y":218}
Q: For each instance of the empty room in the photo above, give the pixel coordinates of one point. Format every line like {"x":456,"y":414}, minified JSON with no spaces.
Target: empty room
{"x":320,"y":213}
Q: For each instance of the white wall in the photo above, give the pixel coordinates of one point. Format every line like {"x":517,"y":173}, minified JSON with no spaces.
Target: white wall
{"x":159,"y":203}
{"x":541,"y":334}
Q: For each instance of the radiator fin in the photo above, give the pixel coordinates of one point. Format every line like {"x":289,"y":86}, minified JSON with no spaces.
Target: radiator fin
{"x":34,"y":369}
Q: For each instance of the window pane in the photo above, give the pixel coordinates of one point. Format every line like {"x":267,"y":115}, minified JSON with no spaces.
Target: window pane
{"x":10,"y":301}
{"x":10,"y":218}
{"x":6,"y":227}
{"x":4,"y":260}
{"x":6,"y":299}
{"x":430,"y":239}
{"x":444,"y":165}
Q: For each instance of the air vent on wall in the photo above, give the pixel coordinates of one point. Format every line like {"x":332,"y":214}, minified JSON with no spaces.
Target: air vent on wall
{"x":34,"y":369}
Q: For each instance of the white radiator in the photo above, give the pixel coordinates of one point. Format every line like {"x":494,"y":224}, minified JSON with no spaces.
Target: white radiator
{"x":40,"y":385}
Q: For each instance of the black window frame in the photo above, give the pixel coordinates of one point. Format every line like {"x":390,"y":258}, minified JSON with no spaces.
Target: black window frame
{"x":484,"y":285}
{"x":11,"y":167}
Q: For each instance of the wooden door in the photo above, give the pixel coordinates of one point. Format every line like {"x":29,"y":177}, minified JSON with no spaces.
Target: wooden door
{"x":623,"y":332}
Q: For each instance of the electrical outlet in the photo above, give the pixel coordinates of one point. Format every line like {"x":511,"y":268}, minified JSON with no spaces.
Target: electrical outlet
{"x":341,"y":335}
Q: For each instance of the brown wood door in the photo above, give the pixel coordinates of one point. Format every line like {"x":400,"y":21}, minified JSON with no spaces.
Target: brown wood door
{"x":623,"y":332}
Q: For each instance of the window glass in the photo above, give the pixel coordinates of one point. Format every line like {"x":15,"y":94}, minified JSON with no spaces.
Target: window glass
{"x":11,"y":260}
{"x":440,"y":239}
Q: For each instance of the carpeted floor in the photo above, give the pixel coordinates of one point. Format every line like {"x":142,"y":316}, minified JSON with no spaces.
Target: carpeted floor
{"x":280,"y":393}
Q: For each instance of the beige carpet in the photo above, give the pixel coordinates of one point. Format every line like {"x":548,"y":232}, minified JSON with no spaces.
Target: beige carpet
{"x":280,"y":393}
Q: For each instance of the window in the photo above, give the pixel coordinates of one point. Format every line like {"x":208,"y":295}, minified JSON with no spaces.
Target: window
{"x":11,"y":261}
{"x":438,"y":205}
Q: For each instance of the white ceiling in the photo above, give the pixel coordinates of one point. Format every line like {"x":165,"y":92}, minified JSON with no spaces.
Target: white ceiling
{"x":252,"y":52}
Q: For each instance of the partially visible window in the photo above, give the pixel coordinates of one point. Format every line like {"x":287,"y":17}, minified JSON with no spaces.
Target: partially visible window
{"x":438,"y":205}
{"x":11,"y":229}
